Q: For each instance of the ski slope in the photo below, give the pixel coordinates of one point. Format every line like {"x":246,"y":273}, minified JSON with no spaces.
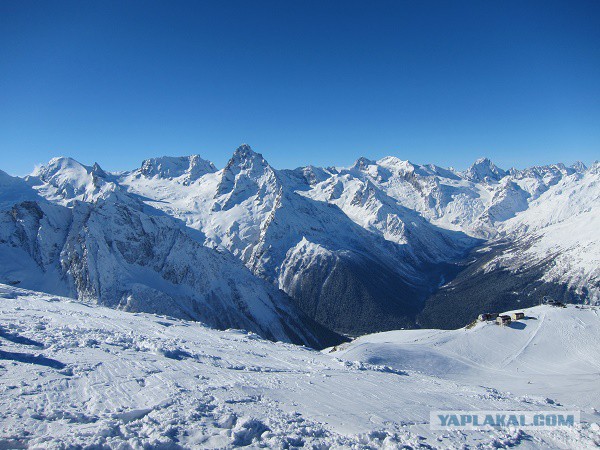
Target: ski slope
{"x":86,"y":376}
{"x":553,"y":353}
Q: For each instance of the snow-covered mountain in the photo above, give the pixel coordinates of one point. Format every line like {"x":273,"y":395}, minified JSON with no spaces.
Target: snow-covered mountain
{"x":562,"y":226}
{"x":358,"y":248}
{"x":550,"y":249}
{"x":349,"y":254}
{"x":70,"y":230}
{"x":185,"y":168}
{"x":380,"y":245}
{"x":86,"y":376}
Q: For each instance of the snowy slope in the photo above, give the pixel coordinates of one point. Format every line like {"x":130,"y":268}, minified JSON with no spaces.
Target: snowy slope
{"x":553,"y":352}
{"x":562,"y":225}
{"x":76,"y":375}
{"x":81,"y":235}
{"x":550,"y":249}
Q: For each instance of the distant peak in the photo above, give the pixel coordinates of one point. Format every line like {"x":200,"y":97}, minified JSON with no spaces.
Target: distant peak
{"x":193,"y":167}
{"x":486,"y":163}
{"x":579,"y":166}
{"x":59,"y":164}
{"x":483,"y":169}
{"x":71,"y":179}
{"x":61,"y":159}
{"x":244,"y":149}
{"x":245,"y":156}
{"x":394,"y":161}
{"x":98,"y":171}
{"x":398,"y":166}
{"x":362,"y":163}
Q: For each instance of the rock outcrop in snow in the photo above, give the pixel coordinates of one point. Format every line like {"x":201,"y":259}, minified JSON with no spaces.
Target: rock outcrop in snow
{"x":484,"y":170}
{"x":189,"y":168}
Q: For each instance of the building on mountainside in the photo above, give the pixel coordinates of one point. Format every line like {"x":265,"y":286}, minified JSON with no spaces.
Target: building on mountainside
{"x":487,"y":316}
{"x":548,"y":301}
{"x":503,"y":320}
{"x":517,"y":315}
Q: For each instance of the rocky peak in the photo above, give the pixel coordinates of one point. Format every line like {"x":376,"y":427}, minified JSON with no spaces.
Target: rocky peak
{"x":579,"y":167}
{"x":484,"y":170}
{"x":246,"y":158}
{"x":191,"y":167}
{"x":98,"y":171}
{"x":362,"y":163}
{"x":246,"y":172}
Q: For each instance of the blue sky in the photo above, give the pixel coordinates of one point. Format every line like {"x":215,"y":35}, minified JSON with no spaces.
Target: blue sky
{"x":302,"y":82}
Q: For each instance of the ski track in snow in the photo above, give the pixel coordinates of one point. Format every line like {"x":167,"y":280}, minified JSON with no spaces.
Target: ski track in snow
{"x":541,"y":319}
{"x":132,"y":380}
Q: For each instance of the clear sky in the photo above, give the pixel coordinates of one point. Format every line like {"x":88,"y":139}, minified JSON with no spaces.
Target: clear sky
{"x":303,"y":82}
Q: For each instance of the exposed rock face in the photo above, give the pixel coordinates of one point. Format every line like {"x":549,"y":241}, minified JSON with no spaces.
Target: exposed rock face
{"x":188,"y":168}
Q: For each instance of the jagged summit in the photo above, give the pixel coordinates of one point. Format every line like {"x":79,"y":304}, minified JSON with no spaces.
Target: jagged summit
{"x":245,"y":173}
{"x":362,"y":163}
{"x":579,"y":166}
{"x":484,"y":170}
{"x":244,"y":150}
{"x":245,"y":157}
{"x":191,"y":167}
{"x":98,"y":171}
{"x":66,"y":179}
{"x":245,"y":162}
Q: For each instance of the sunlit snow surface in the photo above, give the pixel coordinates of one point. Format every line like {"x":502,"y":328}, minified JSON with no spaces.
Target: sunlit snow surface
{"x":79,"y":375}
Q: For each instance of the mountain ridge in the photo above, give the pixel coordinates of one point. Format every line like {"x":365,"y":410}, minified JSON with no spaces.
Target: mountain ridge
{"x":361,"y":249}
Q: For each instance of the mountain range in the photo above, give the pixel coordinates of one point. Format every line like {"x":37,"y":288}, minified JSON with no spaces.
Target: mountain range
{"x":306,"y":255}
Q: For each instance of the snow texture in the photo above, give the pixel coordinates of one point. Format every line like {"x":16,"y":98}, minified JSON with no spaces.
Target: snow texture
{"x":84,"y":376}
